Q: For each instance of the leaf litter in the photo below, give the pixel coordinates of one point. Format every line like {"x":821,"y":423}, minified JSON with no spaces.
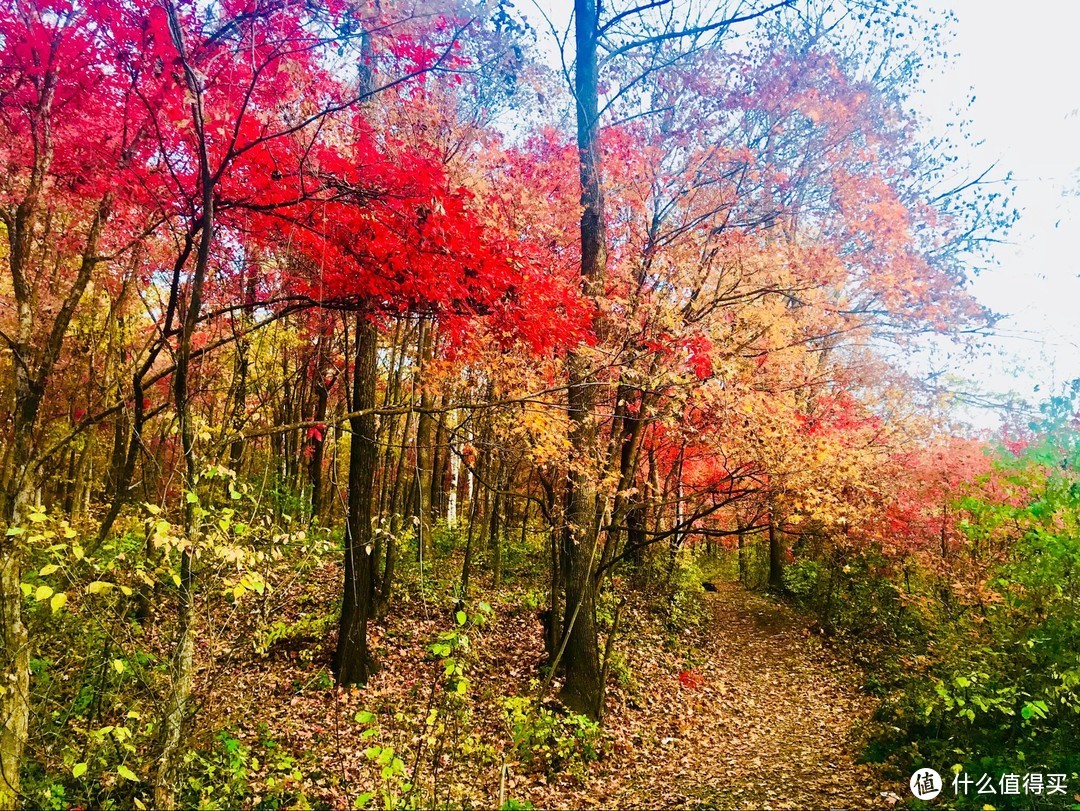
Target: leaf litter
{"x":748,"y":711}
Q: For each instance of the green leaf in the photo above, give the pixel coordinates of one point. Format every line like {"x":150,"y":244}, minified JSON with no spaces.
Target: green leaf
{"x":962,"y":682}
{"x":365,"y":717}
{"x":363,"y":799}
{"x":125,"y":772}
{"x":14,"y":531}
{"x":460,"y":617}
{"x":78,"y":770}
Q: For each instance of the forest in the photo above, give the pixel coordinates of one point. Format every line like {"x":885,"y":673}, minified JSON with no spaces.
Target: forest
{"x":447,"y":404}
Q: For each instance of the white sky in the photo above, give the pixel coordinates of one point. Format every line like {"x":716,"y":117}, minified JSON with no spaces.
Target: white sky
{"x":1022,"y":64}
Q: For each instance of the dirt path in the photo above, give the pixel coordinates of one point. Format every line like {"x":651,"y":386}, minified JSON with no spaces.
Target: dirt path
{"x":769,"y":726}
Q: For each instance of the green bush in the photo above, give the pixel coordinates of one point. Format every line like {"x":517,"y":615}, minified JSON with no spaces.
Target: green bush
{"x":278,"y":633}
{"x":997,"y":686}
{"x":232,"y":775}
{"x":550,"y":740}
{"x":686,"y":604}
{"x":445,"y":538}
{"x":801,"y":578}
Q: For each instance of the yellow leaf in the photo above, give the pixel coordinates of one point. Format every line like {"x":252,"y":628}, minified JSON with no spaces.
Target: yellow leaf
{"x":118,"y":665}
{"x":43,"y":593}
{"x":58,"y":601}
{"x":47,"y":569}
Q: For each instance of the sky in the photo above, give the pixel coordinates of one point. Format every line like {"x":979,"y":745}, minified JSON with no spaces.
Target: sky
{"x":1022,"y":66}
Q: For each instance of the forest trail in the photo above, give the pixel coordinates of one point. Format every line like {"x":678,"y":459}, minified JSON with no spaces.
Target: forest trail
{"x":772,"y":723}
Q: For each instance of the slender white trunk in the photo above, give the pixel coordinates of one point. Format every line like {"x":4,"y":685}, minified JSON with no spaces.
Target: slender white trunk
{"x":455,"y":473}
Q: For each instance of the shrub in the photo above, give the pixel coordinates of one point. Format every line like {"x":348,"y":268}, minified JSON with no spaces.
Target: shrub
{"x":549,"y":740}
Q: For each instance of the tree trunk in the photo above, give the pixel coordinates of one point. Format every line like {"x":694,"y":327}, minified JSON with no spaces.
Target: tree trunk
{"x":439,"y":460}
{"x":14,"y":659}
{"x":182,"y":671}
{"x":582,"y":689}
{"x":495,"y":533}
{"x":397,"y":509}
{"x":744,"y":565}
{"x":352,"y":661}
{"x":455,"y":482}
{"x":776,"y":554}
{"x":553,"y":627}
{"x":81,"y":485}
{"x":241,"y":367}
{"x":17,"y":473}
{"x":425,"y":438}
{"x":182,"y":665}
{"x":318,"y":449}
{"x":388,"y":425}
{"x":466,"y":563}
{"x":67,"y":484}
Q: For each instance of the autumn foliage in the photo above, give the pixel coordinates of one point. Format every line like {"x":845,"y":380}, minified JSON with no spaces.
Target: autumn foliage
{"x":366,"y":292}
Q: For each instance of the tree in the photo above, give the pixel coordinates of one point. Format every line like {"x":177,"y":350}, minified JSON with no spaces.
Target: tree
{"x":67,"y":149}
